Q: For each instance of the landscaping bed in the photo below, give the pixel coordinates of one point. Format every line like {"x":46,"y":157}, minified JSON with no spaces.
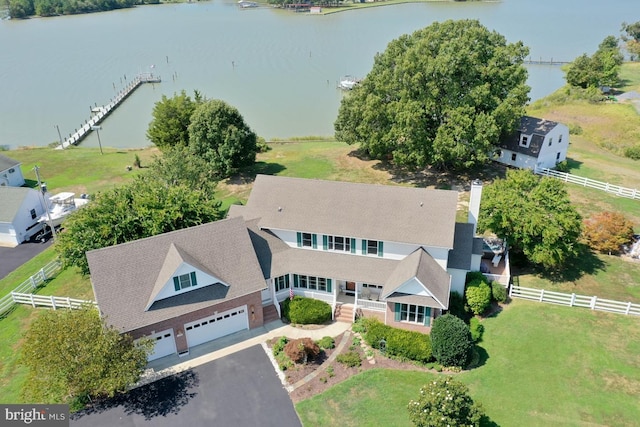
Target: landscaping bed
{"x":331,"y":373}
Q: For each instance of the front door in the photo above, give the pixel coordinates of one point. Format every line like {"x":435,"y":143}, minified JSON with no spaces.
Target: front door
{"x":351,"y":288}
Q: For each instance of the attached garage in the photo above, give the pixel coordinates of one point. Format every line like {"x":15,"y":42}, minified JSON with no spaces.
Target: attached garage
{"x":219,"y":325}
{"x":165,"y":344}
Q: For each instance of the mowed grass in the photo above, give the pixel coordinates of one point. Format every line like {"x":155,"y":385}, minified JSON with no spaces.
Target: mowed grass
{"x":543,"y":365}
{"x":80,"y":170}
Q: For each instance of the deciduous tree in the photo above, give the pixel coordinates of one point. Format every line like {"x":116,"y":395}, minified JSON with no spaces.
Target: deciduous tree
{"x":171,"y":118}
{"x":444,"y":402}
{"x":219,"y":135}
{"x":607,"y":231}
{"x":145,"y":207}
{"x":535,"y":215}
{"x":441,"y":96}
{"x":631,"y":38}
{"x":72,"y":354}
{"x":600,"y":69}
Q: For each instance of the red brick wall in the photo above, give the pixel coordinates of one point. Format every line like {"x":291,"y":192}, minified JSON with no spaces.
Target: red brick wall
{"x":404,"y":325}
{"x":254,"y":308}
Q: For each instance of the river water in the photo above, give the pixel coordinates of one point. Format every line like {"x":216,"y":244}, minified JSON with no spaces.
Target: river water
{"x":278,"y":68}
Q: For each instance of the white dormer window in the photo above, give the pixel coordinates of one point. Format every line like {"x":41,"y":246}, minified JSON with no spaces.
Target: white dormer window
{"x":184,"y":281}
{"x":560,"y":139}
{"x":524,"y":141}
{"x":550,"y":141}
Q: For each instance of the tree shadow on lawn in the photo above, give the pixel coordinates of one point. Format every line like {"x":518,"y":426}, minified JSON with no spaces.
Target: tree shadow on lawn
{"x":248,"y":174}
{"x":586,"y":262}
{"x":432,"y":177}
{"x":158,"y":399}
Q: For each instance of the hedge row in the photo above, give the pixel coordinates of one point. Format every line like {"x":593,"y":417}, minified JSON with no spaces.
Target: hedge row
{"x":400,"y":343}
{"x":306,"y":311}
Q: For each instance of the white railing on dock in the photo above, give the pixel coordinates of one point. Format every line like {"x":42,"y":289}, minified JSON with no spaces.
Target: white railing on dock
{"x":103,"y":111}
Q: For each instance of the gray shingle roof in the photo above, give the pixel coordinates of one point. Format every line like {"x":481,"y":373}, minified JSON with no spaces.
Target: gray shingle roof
{"x":423,"y":267}
{"x":460,"y":255}
{"x":377,"y":212}
{"x":7,"y":162}
{"x":124,"y":277}
{"x":11,"y":199}
{"x":539,"y":128}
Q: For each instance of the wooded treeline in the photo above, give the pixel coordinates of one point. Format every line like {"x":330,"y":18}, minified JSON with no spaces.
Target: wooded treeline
{"x":26,"y":8}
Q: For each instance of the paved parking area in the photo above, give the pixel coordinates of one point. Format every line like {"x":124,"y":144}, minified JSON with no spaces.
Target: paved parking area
{"x":241,"y":389}
{"x":12,"y":258}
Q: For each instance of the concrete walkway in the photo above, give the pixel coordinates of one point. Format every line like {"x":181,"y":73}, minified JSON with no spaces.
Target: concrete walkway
{"x":199,"y":355}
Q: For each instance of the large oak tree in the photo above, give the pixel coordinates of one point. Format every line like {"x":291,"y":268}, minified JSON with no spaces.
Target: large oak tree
{"x":441,"y":96}
{"x":535,"y":215}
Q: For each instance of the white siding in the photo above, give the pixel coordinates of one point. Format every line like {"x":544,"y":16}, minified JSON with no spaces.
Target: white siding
{"x":458,"y":278}
{"x":203,"y":279}
{"x":475,"y":262}
{"x":23,"y":226}
{"x":548,"y":153}
{"x":12,"y":179}
{"x":522,"y":161}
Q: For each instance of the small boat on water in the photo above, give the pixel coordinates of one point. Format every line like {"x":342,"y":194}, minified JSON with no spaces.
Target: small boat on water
{"x":245,"y":4}
{"x":348,"y":82}
{"x":61,"y":205}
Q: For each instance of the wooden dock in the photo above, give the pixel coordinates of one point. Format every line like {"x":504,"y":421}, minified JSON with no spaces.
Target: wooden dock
{"x":541,"y":61}
{"x":100,"y":113}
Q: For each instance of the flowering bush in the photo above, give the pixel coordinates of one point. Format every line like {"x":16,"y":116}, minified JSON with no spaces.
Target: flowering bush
{"x":444,"y":402}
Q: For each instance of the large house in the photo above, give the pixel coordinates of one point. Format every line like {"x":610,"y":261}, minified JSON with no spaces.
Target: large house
{"x":20,"y":209}
{"x":537,"y":143}
{"x":391,"y":252}
{"x":10,"y":172}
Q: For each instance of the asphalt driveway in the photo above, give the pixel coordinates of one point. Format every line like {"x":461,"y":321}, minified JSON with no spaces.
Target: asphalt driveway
{"x":241,"y":389}
{"x":12,"y":258}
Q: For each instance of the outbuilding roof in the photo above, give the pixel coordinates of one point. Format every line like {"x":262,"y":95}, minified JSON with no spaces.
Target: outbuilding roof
{"x":12,"y":199}
{"x":537,"y":128}
{"x":7,"y":162}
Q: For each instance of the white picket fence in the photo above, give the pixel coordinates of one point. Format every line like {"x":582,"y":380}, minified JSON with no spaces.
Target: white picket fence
{"x":31,"y":284}
{"x":574,"y":300}
{"x":630,"y":193}
{"x":49,"y":301}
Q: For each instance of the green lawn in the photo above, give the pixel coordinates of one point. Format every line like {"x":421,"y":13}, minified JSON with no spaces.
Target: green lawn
{"x":543,"y":365}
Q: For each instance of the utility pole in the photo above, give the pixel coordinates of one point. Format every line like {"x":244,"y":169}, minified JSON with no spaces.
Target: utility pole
{"x":59,"y":137}
{"x":97,"y":129}
{"x":46,"y":203}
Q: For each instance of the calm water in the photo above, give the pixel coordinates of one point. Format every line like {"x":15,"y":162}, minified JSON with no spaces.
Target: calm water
{"x":278,"y":68}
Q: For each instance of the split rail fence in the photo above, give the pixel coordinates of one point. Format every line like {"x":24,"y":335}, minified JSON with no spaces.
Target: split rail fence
{"x":574,"y":300}
{"x":630,"y":193}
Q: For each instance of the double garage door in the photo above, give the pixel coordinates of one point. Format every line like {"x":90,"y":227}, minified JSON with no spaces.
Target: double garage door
{"x":216,"y":326}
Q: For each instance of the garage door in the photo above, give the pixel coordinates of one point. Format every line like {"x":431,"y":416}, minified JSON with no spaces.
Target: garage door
{"x":217,"y":326}
{"x":165,"y":344}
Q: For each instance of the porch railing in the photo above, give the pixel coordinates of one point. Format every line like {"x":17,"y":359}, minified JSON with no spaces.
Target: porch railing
{"x":371,"y":305}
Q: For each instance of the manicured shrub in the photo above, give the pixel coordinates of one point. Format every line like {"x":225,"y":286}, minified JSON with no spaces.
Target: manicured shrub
{"x":444,"y":402}
{"x":409,"y":345}
{"x":284,"y":362}
{"x":476,"y":328}
{"x":350,"y":359}
{"x":474,"y":278}
{"x":306,"y":311}
{"x":456,"y":306}
{"x":498,"y":292}
{"x":326,"y":343}
{"x":478,"y":297}
{"x":302,"y":349}
{"x":451,"y":341}
{"x":359,"y":326}
{"x":400,"y":343}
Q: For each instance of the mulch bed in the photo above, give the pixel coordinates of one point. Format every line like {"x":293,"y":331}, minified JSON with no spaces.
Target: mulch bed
{"x":337,"y":372}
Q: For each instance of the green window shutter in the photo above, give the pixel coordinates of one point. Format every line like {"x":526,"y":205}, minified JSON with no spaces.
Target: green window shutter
{"x":176,"y":283}
{"x":397,"y":312}
{"x":296,"y":281}
{"x":427,"y":316}
{"x":364,"y":246}
{"x":299,"y":237}
{"x":353,"y":245}
{"x":314,"y":241}
{"x":325,"y":242}
{"x":380,"y":248}
{"x":328,"y":285}
{"x":194,"y":282}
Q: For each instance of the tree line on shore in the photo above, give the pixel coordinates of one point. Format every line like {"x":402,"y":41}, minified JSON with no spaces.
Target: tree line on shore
{"x":25,"y":8}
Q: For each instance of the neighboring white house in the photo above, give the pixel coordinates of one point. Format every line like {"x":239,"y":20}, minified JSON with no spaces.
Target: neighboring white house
{"x":536,"y":143}
{"x":383,"y":251}
{"x":20,"y":209}
{"x":10,"y":172}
